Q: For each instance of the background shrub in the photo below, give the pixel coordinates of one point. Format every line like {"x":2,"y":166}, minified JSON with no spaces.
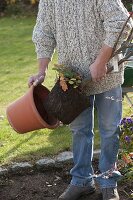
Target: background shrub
{"x":16,"y":7}
{"x":128,"y":4}
{"x":3,"y":5}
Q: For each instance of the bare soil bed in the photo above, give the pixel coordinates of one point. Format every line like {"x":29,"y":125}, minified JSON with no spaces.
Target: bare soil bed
{"x":47,"y":185}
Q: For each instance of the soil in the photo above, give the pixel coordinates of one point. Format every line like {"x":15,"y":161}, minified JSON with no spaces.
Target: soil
{"x":45,"y":186}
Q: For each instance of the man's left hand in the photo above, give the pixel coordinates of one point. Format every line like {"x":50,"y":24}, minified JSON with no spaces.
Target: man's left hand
{"x":98,"y":71}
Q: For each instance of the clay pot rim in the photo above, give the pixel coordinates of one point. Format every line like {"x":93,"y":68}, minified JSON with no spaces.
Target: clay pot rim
{"x":28,"y":99}
{"x":44,"y":123}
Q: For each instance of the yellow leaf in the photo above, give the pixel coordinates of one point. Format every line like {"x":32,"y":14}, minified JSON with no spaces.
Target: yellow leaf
{"x":131,"y":155}
{"x":12,"y":1}
{"x":61,"y":76}
{"x":63,"y":85}
{"x":33,"y":2}
{"x":126,"y":159}
{"x":78,"y":77}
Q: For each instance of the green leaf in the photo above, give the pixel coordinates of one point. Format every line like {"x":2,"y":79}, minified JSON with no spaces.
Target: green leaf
{"x":73,"y":79}
{"x":79,"y":81}
{"x":71,"y":82}
{"x":75,"y":86}
{"x":54,"y":68}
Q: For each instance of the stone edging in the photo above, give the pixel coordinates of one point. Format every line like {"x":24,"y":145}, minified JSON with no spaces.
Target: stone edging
{"x":41,"y":165}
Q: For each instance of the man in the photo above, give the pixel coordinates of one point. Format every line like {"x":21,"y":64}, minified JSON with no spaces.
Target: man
{"x":84,"y":33}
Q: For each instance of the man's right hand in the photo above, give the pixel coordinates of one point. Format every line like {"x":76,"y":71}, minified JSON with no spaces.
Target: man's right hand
{"x":39,"y":78}
{"x":36,"y":79}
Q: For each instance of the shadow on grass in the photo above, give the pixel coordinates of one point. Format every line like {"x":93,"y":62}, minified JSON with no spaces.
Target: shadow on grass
{"x":16,"y":147}
{"x":54,"y":142}
{"x":58,"y":143}
{"x":58,"y":140}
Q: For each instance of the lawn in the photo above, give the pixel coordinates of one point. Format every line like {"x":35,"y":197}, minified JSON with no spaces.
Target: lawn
{"x":17,"y":63}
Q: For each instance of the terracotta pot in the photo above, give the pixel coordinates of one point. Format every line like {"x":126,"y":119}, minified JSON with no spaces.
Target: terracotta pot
{"x":28,"y":112}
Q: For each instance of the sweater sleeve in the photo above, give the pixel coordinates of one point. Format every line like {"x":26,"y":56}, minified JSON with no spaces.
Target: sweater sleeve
{"x":43,"y":37}
{"x":114,"y":15}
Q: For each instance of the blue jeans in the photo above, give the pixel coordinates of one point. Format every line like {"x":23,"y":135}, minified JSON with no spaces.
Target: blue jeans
{"x":109,"y":108}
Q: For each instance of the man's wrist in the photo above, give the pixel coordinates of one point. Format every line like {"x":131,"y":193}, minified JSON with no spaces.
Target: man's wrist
{"x":43,"y":66}
{"x":104,"y":56}
{"x":42,"y":73}
{"x":99,"y":62}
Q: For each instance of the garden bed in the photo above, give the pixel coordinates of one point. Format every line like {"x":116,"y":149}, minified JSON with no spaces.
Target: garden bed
{"x":46,"y":186}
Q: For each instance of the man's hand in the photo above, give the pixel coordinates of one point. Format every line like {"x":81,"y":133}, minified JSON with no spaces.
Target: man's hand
{"x":98,"y":71}
{"x":39,"y":78}
{"x":36,"y":79}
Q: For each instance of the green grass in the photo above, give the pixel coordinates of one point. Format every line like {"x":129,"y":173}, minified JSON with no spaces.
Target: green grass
{"x":17,"y":63}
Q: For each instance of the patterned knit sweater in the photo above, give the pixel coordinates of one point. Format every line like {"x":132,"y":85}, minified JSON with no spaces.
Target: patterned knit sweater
{"x":78,"y":29}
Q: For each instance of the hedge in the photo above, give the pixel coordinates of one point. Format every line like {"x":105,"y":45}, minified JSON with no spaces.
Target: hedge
{"x":16,"y":6}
